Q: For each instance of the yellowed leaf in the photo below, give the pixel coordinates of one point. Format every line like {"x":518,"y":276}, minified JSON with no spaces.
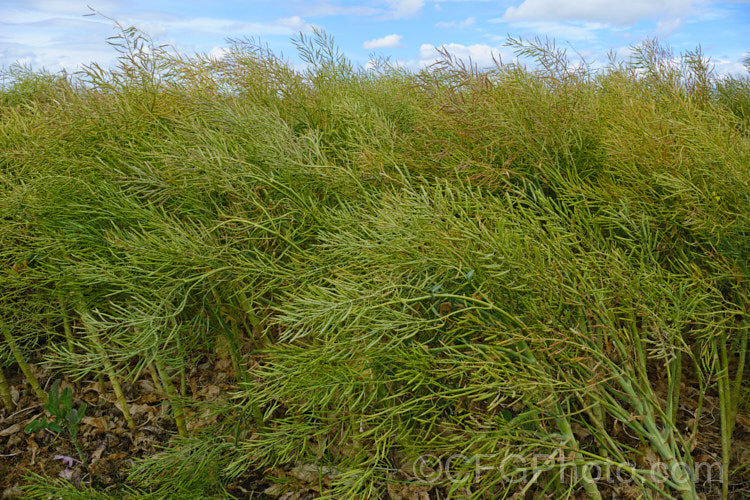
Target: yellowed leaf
{"x":11,"y":430}
{"x":137,"y":409}
{"x":98,"y":423}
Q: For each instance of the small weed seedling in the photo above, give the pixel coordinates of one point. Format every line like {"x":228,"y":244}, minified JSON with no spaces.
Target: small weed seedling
{"x":67,"y":418}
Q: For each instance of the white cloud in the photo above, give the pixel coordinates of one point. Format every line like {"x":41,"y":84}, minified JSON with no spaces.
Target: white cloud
{"x":293,"y":22}
{"x":563,"y":31}
{"x":218,"y":53}
{"x":608,"y":11}
{"x":15,"y":11}
{"x":404,"y":8}
{"x":666,"y":27}
{"x":383,"y":9}
{"x":709,"y":12}
{"x":387,"y":42}
{"x":54,"y":42}
{"x":226,"y":27}
{"x":54,"y":34}
{"x":480,"y":54}
{"x":325,"y":8}
{"x":469,"y":21}
{"x":726,"y":67}
{"x":54,"y":58}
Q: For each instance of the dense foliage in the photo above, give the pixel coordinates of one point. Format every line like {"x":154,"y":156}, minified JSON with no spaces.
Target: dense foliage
{"x":541,"y":268}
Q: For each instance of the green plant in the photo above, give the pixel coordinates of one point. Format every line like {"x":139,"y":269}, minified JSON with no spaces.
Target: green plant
{"x":66,"y":418}
{"x":512,"y":263}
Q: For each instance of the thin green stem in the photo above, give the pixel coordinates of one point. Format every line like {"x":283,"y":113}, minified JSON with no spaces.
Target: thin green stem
{"x":5,"y":392}
{"x":22,"y":363}
{"x":114,"y":380}
{"x":674,"y":380}
{"x":174,"y":398}
{"x":66,"y":326}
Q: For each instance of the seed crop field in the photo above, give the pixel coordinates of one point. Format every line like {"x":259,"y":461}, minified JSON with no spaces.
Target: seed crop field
{"x":242,"y":278}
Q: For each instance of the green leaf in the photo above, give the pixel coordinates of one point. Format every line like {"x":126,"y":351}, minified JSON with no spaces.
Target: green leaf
{"x":53,"y":403}
{"x":66,"y":401}
{"x":81,"y":412}
{"x":74,"y":417}
{"x":526,"y":420}
{"x":37,"y":425}
{"x":71,"y":418}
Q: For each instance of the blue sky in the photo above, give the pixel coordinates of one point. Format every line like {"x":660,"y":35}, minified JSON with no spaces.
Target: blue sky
{"x":56,"y":34}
